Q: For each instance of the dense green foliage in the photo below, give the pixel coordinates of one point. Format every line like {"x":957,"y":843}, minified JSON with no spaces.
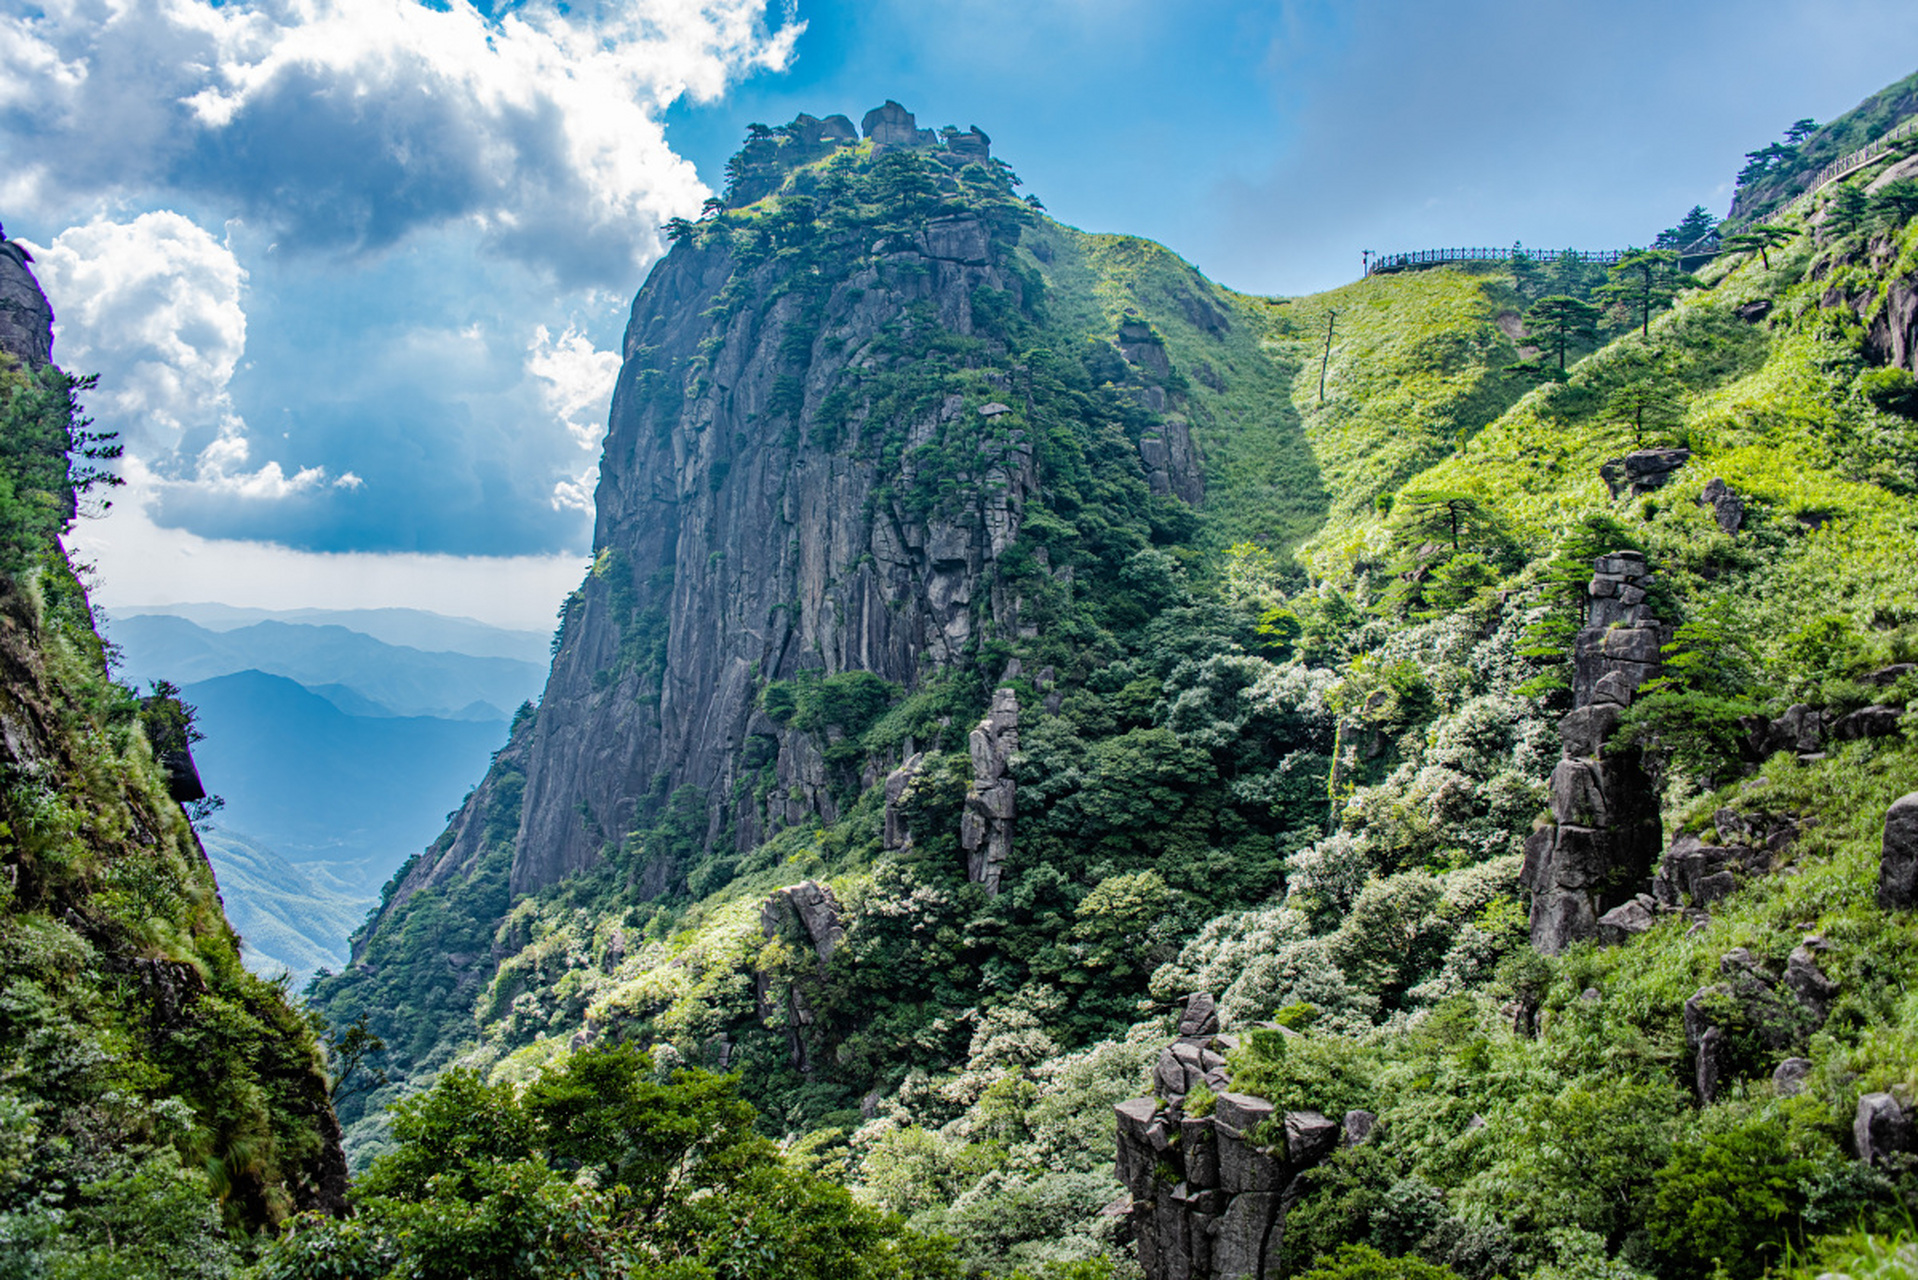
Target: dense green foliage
{"x":1286,"y":747}
{"x":597,"y":1168}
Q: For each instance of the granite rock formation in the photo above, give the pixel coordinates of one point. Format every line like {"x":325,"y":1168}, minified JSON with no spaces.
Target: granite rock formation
{"x":1642,"y":471}
{"x":26,"y":318}
{"x":1898,"y":857}
{"x":1735,"y":1027}
{"x":806,"y":916}
{"x":985,"y":826}
{"x":1882,"y":1131}
{"x":1605,"y":833}
{"x":1206,"y":1195}
{"x":1728,"y":509}
{"x":810,"y":559}
{"x":1697,"y":873}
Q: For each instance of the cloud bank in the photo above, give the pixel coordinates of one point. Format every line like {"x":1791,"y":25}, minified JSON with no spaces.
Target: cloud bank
{"x":346,"y":267}
{"x":344,"y":125}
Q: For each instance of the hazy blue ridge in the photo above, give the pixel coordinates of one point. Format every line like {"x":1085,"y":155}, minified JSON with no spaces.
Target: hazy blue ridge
{"x":291,"y":918}
{"x":403,"y":680}
{"x":413,"y":628}
{"x":315,"y":784}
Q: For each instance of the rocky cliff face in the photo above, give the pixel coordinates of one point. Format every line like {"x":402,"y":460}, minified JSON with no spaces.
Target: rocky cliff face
{"x":26,"y":320}
{"x":1206,"y":1195}
{"x":134,"y":1032}
{"x":803,"y":478}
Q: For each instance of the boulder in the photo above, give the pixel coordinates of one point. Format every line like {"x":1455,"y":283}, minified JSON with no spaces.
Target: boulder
{"x":1642,"y":471}
{"x":890,"y":125}
{"x":1898,"y":857}
{"x":1808,"y":982}
{"x":1358,"y":1127}
{"x":1727,"y":507}
{"x":1788,"y":1081}
{"x":1241,"y":1112}
{"x":1881,"y":1129}
{"x":972,"y":144}
{"x":1309,"y":1137}
{"x":1201,"y":1016}
{"x":1868,"y":722}
{"x":1577,"y":795}
{"x":1615,"y":688}
{"x":1625,"y":921}
{"x":1584,"y":731}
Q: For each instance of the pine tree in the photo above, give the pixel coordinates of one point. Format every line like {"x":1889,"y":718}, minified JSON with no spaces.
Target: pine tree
{"x":1761,"y":239}
{"x":1696,"y":226}
{"x":1556,"y":323}
{"x":1847,"y":210}
{"x":1643,"y":281}
{"x":1649,"y":401}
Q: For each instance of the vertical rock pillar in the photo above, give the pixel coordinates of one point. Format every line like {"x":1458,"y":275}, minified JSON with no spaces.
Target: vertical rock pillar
{"x":985,"y":826}
{"x":1606,"y":831}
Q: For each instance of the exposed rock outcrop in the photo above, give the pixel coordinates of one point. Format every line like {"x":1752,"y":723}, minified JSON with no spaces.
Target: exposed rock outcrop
{"x":1642,"y":471}
{"x":1734,"y":1026}
{"x":1696,"y":873}
{"x":809,"y":914}
{"x":1898,"y":856}
{"x":1891,"y":332}
{"x":26,"y":318}
{"x":892,"y":125}
{"x":1882,"y":1131}
{"x":1606,"y":830}
{"x":812,"y":553}
{"x":985,"y":825}
{"x":1206,"y":1195}
{"x":1727,"y":507}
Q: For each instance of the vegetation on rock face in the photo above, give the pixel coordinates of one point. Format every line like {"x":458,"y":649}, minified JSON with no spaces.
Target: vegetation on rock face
{"x":1284,"y":743}
{"x":160,"y":1108}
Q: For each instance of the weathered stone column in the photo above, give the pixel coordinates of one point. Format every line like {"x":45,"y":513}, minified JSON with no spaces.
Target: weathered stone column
{"x":1606,"y":832}
{"x":985,"y":827}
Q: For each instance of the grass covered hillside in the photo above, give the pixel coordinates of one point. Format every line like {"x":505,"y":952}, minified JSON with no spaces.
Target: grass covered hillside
{"x":1289,"y":743}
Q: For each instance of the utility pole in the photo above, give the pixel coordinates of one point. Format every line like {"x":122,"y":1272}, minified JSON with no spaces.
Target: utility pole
{"x":1331,"y":318}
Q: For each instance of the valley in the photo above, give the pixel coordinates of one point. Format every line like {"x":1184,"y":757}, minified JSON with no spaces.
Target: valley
{"x":1057,"y":770}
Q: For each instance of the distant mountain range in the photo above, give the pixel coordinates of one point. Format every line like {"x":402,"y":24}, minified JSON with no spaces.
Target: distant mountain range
{"x":292,"y":917}
{"x":401,"y":679}
{"x":412,"y":628}
{"x":314,"y":784}
{"x":339,"y":741}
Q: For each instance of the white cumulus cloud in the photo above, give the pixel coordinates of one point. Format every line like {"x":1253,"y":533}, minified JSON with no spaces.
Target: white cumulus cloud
{"x":345,"y":124}
{"x":154,"y":306}
{"x":576,"y":381}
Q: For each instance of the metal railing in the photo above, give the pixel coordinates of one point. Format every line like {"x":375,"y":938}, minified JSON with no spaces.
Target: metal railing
{"x":1376,"y":263}
{"x":1843,"y":167}
{"x":1846,"y":165}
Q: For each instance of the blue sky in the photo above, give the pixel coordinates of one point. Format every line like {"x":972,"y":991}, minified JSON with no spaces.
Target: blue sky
{"x":354,"y":271}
